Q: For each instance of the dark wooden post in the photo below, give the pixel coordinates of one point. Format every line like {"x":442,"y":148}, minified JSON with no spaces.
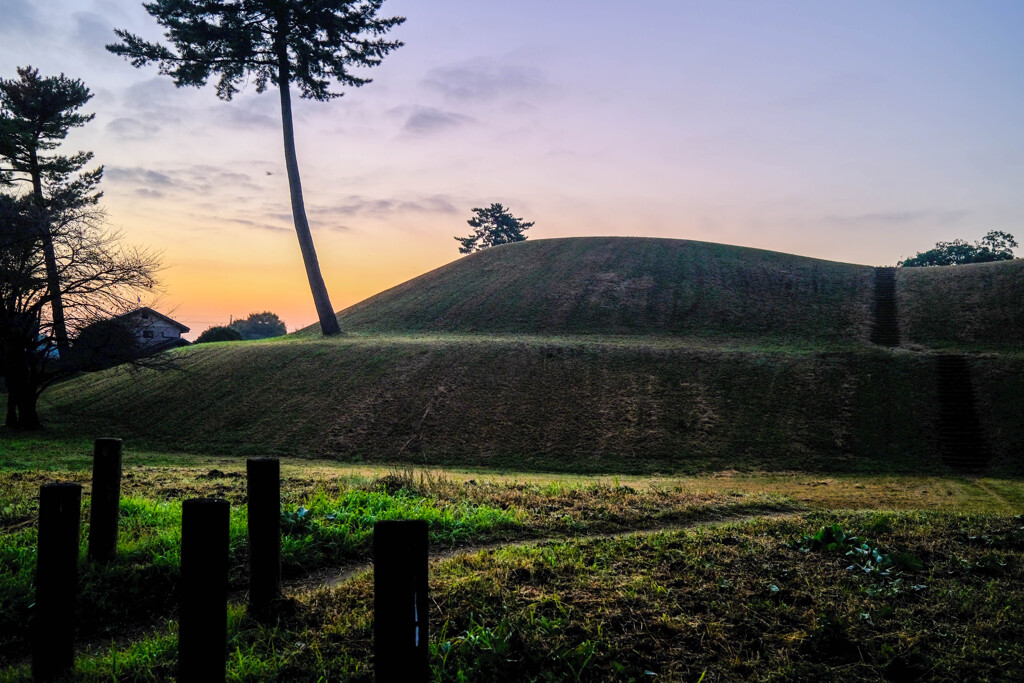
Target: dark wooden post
{"x":263,"y":484}
{"x":53,"y":618}
{"x":400,"y":637}
{"x":106,"y":499}
{"x":203,"y":618}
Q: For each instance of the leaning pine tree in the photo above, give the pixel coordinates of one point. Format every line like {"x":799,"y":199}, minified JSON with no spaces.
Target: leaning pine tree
{"x":309,"y":43}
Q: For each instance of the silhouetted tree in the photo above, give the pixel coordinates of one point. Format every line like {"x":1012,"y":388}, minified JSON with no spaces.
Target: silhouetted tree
{"x":309,"y":43}
{"x":493,"y":226}
{"x":98,"y":278}
{"x":219,"y":333}
{"x":36,"y":114}
{"x":260,"y":326}
{"x":994,"y":246}
{"x":104,"y":344}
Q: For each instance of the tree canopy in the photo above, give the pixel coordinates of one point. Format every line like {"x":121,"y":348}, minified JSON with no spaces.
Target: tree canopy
{"x":61,"y":270}
{"x":104,"y":344}
{"x":312,"y":44}
{"x":259,"y":326}
{"x":994,"y":246}
{"x":98,"y":278}
{"x":36,"y":114}
{"x":492,"y":226}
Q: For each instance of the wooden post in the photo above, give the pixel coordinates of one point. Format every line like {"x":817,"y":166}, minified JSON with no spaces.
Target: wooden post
{"x":400,"y":636}
{"x":203,"y":618}
{"x":106,"y":499}
{"x":53,"y":619}
{"x":263,"y":484}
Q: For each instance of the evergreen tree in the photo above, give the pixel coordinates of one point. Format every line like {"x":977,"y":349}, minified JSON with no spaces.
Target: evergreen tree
{"x":36,"y":114}
{"x":493,"y":226}
{"x":309,"y":43}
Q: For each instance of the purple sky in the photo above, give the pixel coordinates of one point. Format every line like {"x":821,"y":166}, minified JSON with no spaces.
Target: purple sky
{"x":860,"y":132}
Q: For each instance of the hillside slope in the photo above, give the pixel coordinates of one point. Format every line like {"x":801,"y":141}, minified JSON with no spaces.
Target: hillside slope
{"x":629,"y":286}
{"x":975,"y":307}
{"x":531,"y":405}
{"x":600,"y":355}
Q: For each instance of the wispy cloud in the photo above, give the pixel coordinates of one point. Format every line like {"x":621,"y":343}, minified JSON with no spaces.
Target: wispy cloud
{"x":379,"y":207}
{"x":931,"y":216}
{"x":189,"y":183}
{"x":245,"y":222}
{"x":129,"y":128}
{"x":428,"y":120}
{"x":19,"y":18}
{"x":485,"y":80}
{"x":138,"y":176}
{"x":91,"y":31}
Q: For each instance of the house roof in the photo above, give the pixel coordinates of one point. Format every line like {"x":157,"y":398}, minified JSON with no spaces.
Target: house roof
{"x":146,"y":309}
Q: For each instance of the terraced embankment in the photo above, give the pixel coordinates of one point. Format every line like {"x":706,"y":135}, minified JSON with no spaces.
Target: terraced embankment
{"x":603,"y":354}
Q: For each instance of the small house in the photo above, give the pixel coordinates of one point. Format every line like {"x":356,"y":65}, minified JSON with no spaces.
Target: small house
{"x":154,"y":329}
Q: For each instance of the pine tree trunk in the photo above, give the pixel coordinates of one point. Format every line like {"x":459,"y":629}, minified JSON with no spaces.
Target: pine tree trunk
{"x":60,"y":329}
{"x":328,"y":320}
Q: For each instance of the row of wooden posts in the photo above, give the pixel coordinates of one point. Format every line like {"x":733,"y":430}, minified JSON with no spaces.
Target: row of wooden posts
{"x":399,"y":573}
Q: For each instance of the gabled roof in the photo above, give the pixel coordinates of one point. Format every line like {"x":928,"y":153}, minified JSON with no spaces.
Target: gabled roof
{"x":157,"y":314}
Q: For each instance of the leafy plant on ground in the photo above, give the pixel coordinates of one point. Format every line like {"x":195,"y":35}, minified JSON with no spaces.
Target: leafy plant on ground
{"x":865,"y":555}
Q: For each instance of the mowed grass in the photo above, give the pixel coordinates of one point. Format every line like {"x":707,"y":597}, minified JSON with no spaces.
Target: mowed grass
{"x":583,"y":407}
{"x":977,"y":307}
{"x":929,"y":596}
{"x":629,"y":286}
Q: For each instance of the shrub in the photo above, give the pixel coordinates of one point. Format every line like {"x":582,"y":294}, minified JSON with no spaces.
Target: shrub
{"x":219,"y":333}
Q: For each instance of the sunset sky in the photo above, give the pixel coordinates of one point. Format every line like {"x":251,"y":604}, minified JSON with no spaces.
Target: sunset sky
{"x":855,"y":131}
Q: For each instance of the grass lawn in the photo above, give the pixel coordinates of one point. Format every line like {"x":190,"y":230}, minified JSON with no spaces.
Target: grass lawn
{"x":559,"y":577}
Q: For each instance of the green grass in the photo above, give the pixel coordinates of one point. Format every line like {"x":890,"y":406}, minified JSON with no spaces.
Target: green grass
{"x":325,"y":522}
{"x":49,"y":451}
{"x":977,"y":307}
{"x":329,"y":511}
{"x":751,"y":601}
{"x":140,"y":585}
{"x":628,"y":286}
{"x":580,"y":408}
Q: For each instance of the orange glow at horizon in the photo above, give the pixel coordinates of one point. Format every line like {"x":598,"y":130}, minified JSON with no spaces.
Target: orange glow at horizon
{"x":227,"y":273}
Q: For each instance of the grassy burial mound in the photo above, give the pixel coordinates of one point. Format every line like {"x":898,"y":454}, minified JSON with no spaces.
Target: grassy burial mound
{"x":630,"y":286}
{"x":597,"y":354}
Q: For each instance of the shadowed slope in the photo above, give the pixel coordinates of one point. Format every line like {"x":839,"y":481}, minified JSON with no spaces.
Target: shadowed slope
{"x":570,"y":406}
{"x":629,"y":286}
{"x":974,"y":307}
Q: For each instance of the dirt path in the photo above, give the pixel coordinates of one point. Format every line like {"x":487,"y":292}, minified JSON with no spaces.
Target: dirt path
{"x":331,"y":577}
